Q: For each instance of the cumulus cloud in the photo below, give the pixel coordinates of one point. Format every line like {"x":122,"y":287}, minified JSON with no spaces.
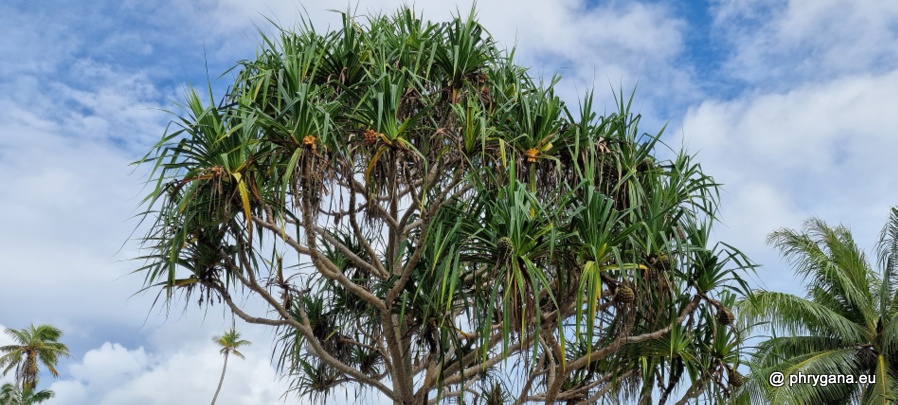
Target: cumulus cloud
{"x":817,"y":150}
{"x":111,"y":364}
{"x":113,"y":374}
{"x":809,"y":131}
{"x":182,"y":365}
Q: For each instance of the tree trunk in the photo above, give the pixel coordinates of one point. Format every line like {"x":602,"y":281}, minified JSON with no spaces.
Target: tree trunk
{"x":220,"y":381}
{"x":30,"y":372}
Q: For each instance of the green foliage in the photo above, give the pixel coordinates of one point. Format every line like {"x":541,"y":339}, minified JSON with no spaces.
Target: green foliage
{"x":230,"y":342}
{"x":845,"y":324}
{"x":415,"y":210}
{"x":12,"y":395}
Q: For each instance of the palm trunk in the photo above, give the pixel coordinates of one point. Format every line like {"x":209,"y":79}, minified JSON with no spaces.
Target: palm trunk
{"x":29,"y":378}
{"x":220,"y":381}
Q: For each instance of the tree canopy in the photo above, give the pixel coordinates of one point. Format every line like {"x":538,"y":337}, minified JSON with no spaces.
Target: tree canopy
{"x":845,"y":325}
{"x":13,"y":395}
{"x":425,"y":220}
{"x":32,"y":347}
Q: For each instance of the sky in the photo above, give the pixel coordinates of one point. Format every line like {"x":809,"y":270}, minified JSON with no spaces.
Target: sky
{"x":789,"y":104}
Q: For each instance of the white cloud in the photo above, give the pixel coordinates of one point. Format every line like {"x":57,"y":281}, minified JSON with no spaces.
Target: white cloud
{"x":110,"y":366}
{"x":66,"y":141}
{"x":113,"y":374}
{"x":69,"y":204}
{"x":26,"y":50}
{"x":818,"y":150}
{"x":778,"y":43}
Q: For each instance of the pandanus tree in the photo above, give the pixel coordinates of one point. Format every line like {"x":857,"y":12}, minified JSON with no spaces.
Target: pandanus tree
{"x":846,"y":324}
{"x":424,"y":220}
{"x":31,"y":348}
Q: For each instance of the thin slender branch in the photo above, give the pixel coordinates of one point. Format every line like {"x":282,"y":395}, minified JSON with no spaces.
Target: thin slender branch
{"x":602,"y":392}
{"x":454,"y":394}
{"x":483,"y":366}
{"x":381,"y":212}
{"x":540,"y":369}
{"x":604,"y":352}
{"x":306,"y":330}
{"x":329,"y":269}
{"x":360,"y":236}
{"x":407,"y":270}
{"x":356,"y":260}
{"x":694,"y":390}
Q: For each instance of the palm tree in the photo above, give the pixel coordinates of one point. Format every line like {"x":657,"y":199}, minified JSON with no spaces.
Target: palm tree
{"x":846,"y":324}
{"x":12,"y":395}
{"x":229,"y":343}
{"x":33,"y":345}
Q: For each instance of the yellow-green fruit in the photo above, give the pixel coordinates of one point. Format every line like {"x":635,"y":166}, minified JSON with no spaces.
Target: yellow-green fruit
{"x":624,"y":294}
{"x":505,"y":246}
{"x":736,"y":379}
{"x":725,"y":316}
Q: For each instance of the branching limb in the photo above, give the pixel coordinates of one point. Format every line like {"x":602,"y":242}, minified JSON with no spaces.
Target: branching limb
{"x":305,"y":329}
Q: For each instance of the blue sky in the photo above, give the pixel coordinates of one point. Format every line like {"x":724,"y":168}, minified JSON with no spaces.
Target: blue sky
{"x":790,"y":104}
